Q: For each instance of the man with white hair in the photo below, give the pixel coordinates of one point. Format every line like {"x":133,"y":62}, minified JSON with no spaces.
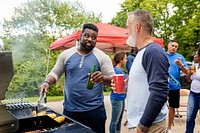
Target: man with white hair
{"x":148,"y":78}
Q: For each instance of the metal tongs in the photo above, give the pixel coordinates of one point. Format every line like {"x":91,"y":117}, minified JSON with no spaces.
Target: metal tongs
{"x":40,"y":98}
{"x":39,"y":105}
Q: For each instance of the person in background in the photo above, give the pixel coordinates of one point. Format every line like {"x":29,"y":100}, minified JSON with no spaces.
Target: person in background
{"x":118,"y":99}
{"x":177,"y":64}
{"x":131,"y":58}
{"x":1,"y":45}
{"x":148,"y":82}
{"x":81,"y":104}
{"x":194,"y":95}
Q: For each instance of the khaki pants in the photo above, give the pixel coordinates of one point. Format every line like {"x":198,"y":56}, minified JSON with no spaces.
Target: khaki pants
{"x":155,"y":128}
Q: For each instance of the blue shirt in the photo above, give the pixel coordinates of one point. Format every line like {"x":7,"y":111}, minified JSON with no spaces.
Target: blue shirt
{"x":174,"y":69}
{"x":116,"y":96}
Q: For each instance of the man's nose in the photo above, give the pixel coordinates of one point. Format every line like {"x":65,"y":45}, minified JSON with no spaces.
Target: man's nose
{"x":90,"y":38}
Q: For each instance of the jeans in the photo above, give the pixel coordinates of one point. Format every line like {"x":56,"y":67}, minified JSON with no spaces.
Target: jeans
{"x":95,"y":119}
{"x":192,"y":109}
{"x":117,"y":113}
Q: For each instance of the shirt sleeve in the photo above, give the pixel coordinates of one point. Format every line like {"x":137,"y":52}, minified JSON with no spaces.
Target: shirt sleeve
{"x":156,"y":65}
{"x":120,"y":71}
{"x":105,"y":62}
{"x":59,"y":67}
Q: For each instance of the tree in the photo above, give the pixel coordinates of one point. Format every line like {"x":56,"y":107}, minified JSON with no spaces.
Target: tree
{"x":34,"y":25}
{"x":187,"y":26}
{"x":127,"y":6}
{"x":174,"y":19}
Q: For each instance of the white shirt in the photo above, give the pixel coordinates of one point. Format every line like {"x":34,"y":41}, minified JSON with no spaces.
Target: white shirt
{"x":195,"y":85}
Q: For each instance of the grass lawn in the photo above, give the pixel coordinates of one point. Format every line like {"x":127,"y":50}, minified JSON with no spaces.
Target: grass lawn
{"x":49,"y":98}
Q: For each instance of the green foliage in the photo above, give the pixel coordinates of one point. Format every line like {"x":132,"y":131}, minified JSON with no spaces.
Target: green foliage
{"x":32,"y":28}
{"x":107,"y":89}
{"x":173,"y":19}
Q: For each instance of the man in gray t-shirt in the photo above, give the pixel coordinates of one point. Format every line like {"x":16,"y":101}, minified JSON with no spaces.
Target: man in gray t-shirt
{"x":81,"y":104}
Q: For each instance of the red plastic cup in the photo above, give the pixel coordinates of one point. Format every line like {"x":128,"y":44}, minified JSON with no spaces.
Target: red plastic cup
{"x":118,"y":80}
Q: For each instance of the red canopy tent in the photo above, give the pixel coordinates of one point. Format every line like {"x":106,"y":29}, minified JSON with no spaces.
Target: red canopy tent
{"x":110,"y":39}
{"x":160,"y":41}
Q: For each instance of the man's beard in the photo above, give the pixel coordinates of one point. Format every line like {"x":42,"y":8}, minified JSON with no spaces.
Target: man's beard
{"x":87,"y":48}
{"x":131,"y":41}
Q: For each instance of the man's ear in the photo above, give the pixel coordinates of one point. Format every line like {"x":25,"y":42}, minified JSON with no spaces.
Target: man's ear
{"x":138,"y":27}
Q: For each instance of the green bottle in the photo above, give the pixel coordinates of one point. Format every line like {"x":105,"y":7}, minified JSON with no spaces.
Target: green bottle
{"x":90,"y":85}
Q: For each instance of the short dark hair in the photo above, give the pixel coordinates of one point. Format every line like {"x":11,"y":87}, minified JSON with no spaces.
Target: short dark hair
{"x":90,"y":26}
{"x":171,"y":41}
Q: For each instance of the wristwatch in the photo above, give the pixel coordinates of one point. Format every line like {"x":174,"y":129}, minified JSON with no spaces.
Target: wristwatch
{"x":143,"y":128}
{"x":47,"y":82}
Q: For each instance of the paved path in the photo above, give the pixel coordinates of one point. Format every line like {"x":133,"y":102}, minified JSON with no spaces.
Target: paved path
{"x":177,"y":128}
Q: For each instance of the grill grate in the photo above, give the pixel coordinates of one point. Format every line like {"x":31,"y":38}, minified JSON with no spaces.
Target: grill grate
{"x":17,"y":104}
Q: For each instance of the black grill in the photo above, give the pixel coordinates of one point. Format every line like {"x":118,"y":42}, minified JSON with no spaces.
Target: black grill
{"x":16,"y":114}
{"x":23,"y":111}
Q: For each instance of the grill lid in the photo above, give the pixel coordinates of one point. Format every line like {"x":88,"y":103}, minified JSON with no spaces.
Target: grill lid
{"x":6,"y":72}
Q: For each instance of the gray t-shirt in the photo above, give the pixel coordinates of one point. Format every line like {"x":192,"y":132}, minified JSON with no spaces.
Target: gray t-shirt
{"x":76,"y":68}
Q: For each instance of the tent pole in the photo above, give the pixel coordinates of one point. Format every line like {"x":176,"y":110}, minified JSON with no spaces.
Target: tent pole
{"x":48,"y":60}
